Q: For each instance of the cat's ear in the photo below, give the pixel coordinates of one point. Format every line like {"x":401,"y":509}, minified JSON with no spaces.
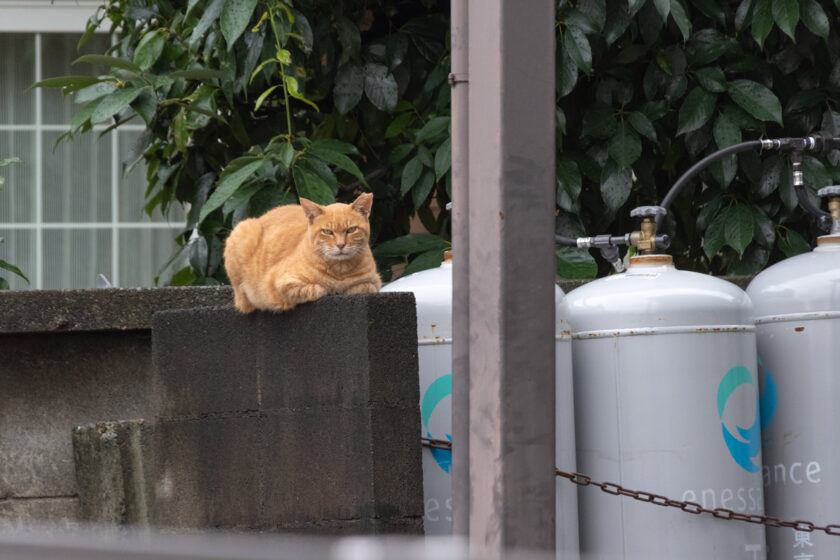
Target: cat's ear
{"x":310,"y":209}
{"x":363,"y":204}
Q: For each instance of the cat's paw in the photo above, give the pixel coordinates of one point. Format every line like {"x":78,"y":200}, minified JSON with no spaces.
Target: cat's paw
{"x":363,"y":288}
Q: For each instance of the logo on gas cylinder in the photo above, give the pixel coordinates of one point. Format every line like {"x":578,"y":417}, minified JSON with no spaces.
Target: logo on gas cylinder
{"x":437,"y":391}
{"x":745,"y":446}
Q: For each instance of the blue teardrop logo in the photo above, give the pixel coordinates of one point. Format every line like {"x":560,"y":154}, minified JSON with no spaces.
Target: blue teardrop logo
{"x":437,"y":391}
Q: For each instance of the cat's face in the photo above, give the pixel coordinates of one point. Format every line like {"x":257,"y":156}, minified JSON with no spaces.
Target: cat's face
{"x":339,"y":231}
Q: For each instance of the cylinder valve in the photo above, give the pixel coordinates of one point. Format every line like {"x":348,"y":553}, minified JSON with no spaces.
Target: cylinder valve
{"x":832,"y":193}
{"x":646,"y":240}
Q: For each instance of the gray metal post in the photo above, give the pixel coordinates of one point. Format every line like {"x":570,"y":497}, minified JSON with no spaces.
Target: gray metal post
{"x":511,"y":283}
{"x":461,"y":272}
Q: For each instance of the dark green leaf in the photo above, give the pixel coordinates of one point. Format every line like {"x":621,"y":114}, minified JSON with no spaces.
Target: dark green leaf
{"x":234,"y":19}
{"x":739,"y":227}
{"x":577,"y":46}
{"x":575,"y":263}
{"x":410,"y":244}
{"x":311,"y":186}
{"x":12,"y":268}
{"x":616,"y":185}
{"x":425,"y":156}
{"x":109,"y":61}
{"x":399,"y":124}
{"x":569,"y":182}
{"x":815,"y":18}
{"x":756,"y":99}
{"x":149,"y":48}
{"x":338,"y":159}
{"x":4,"y":284}
{"x":762,"y":21}
{"x":772,"y":169}
{"x":791,"y":243}
{"x":696,"y":110}
{"x":765,"y":234}
{"x":210,"y":15}
{"x":617,"y":21}
{"x":815,"y":173}
{"x":726,"y":134}
{"x":786,"y":15}
{"x":681,"y":18}
{"x":711,"y":79}
{"x":411,"y":172}
{"x":566,"y":73}
{"x":334,"y":145}
{"x":630,"y":54}
{"x":424,"y":261}
{"x":443,"y":159}
{"x":642,"y":125}
{"x":595,"y":11}
{"x":420,"y":192}
{"x":348,"y":36}
{"x":715,"y":237}
{"x":663,"y":7}
{"x":197,"y":74}
{"x":349,"y":86}
{"x":625,"y":147}
{"x":432,"y":128}
{"x":380,"y":87}
{"x":399,"y":153}
{"x":753,"y":260}
{"x":227,"y":185}
{"x":68,"y":83}
{"x":114,"y":103}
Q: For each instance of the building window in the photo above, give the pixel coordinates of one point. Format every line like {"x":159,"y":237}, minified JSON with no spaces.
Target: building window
{"x":67,"y":213}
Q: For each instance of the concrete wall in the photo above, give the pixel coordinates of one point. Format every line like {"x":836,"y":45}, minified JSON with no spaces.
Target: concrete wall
{"x":296,"y":420}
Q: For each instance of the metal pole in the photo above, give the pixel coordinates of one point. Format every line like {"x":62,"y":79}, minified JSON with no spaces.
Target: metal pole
{"x":511,"y":283}
{"x":461,"y":271}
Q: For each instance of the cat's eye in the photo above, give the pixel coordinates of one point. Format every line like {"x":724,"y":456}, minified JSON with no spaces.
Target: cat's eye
{"x":326,"y":231}
{"x":352,"y":229}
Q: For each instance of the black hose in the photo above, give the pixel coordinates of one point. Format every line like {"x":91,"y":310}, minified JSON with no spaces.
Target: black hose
{"x":702,"y":164}
{"x":823,"y":218}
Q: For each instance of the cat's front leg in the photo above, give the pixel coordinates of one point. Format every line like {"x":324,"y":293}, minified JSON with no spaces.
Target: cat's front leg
{"x":366,"y":287}
{"x":290,"y":291}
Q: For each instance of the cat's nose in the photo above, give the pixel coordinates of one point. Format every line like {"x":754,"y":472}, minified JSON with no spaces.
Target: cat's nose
{"x":340,"y":246}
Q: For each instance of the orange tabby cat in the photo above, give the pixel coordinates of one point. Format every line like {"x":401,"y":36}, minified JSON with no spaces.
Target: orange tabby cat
{"x":294,"y":254}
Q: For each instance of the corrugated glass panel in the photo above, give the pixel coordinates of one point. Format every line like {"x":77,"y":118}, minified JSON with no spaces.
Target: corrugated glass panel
{"x":133,"y":189}
{"x":17,"y":73}
{"x":143,"y":253}
{"x":77,"y":179}
{"x":17,"y":197}
{"x":18,"y":248}
{"x":59,"y":53}
{"x":73,"y":258}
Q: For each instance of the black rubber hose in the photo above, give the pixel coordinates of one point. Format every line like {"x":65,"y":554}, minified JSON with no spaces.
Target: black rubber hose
{"x":702,"y":164}
{"x":823,"y":218}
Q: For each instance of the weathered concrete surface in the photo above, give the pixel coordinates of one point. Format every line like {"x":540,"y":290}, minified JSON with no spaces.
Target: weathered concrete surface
{"x":303,"y":420}
{"x":113,"y":472}
{"x":71,"y":358}
{"x":52,"y":383}
{"x":99,"y":310}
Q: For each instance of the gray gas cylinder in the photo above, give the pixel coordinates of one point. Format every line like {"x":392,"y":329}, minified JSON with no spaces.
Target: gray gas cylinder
{"x":666,"y":401}
{"x":797,"y":315}
{"x":433,"y":292}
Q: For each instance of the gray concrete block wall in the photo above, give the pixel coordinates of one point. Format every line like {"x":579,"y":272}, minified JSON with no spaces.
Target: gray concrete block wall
{"x":302,"y":420}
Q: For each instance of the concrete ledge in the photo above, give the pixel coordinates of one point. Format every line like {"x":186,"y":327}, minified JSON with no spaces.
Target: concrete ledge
{"x":99,"y":310}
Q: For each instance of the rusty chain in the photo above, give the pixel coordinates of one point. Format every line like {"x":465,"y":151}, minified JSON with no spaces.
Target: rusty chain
{"x":663,"y":501}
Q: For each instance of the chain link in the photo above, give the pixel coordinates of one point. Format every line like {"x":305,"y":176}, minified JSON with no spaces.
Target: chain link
{"x":695,"y":508}
{"x":663,"y":501}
